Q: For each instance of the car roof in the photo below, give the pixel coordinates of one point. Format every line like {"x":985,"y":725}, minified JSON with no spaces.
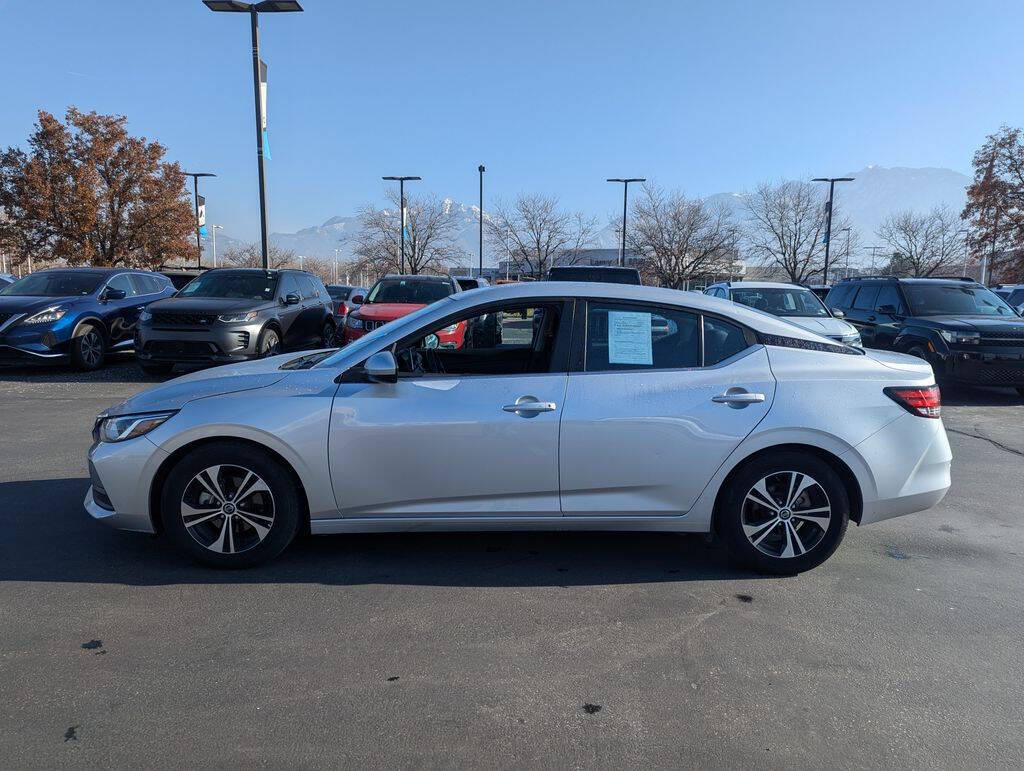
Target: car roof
{"x":759,"y":321}
{"x":98,"y":271}
{"x":761,"y":285}
{"x":593,"y":267}
{"x":419,"y":277}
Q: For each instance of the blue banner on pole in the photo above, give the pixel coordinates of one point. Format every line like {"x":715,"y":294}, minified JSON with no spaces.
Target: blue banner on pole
{"x":266,"y":145}
{"x":202,"y":231}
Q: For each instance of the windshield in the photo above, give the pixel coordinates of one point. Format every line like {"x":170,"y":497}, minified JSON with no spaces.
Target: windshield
{"x":338,"y":292}
{"x":368,"y":343}
{"x":952,"y":300}
{"x":236,"y":286}
{"x":61,"y":283}
{"x":408,"y":290}
{"x":781,"y":301}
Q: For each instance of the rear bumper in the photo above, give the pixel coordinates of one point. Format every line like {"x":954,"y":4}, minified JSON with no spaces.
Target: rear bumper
{"x":908,"y":463}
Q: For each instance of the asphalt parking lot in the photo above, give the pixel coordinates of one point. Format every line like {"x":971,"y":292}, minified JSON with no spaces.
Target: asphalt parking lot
{"x":499,"y":649}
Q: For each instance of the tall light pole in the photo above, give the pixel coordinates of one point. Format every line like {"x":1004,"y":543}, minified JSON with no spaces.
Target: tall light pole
{"x":966,"y":246}
{"x":401,"y":214}
{"x":215,"y":228}
{"x":847,"y":251}
{"x":828,"y":223}
{"x":254,"y":10}
{"x":873,"y":249}
{"x":195,"y":194}
{"x":625,"y":199}
{"x":481,"y":169}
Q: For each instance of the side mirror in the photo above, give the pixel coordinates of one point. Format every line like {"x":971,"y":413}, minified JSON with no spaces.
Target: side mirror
{"x":292,"y":298}
{"x":836,"y":313}
{"x":357,"y":299}
{"x":381,"y":367}
{"x":114,"y":294}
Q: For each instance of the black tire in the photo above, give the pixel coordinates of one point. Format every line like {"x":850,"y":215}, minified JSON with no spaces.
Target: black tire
{"x":918,"y":351}
{"x":250,"y":547}
{"x":156,"y":369}
{"x":329,"y":335}
{"x":268,"y":343}
{"x":739,"y":512}
{"x":88,"y":348}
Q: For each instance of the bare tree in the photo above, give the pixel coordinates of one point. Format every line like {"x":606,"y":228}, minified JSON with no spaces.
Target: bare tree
{"x":431,"y":242}
{"x":786,"y":228}
{"x":679,"y":238}
{"x":924,"y":244}
{"x":539,"y":234}
{"x":250,"y":256}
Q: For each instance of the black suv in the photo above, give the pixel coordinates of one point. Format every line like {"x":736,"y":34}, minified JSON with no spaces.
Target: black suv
{"x":229,"y":314}
{"x":967,"y":333}
{"x":608,"y":274}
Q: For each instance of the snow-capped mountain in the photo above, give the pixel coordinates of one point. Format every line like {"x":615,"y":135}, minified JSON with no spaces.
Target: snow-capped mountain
{"x":875,"y":193}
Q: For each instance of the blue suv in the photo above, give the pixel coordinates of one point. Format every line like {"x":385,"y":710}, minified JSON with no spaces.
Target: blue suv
{"x":75,"y":314}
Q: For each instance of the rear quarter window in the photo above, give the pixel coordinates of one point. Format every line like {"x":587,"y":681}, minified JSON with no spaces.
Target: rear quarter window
{"x":865,"y":300}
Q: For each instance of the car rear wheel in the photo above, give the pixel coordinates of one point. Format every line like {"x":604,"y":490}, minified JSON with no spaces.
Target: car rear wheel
{"x":329,"y":335}
{"x":784,"y":513}
{"x":269,"y":343}
{"x":230,"y":505}
{"x":88,"y":348}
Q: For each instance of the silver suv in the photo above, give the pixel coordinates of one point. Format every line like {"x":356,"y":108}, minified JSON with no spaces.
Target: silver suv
{"x":230,"y":314}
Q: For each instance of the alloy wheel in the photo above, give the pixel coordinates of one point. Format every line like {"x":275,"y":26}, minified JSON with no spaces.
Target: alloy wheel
{"x":91,"y":348}
{"x":271,"y":345}
{"x":786,"y":514}
{"x":227,"y":509}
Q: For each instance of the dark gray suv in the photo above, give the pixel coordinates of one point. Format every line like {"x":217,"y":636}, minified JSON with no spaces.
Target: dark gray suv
{"x":230,"y":314}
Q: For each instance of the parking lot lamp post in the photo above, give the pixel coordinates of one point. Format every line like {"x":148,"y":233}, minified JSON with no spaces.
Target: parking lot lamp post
{"x":254,"y":10}
{"x":215,"y":228}
{"x":401,"y":214}
{"x":625,"y":199}
{"x":195,"y":194}
{"x":828,"y":216}
{"x":965,"y":231}
{"x":481,"y":169}
{"x":847,"y":252}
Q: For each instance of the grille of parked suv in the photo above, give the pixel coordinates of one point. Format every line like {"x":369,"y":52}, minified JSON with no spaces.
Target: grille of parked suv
{"x":1013,"y":337}
{"x":183,"y":319}
{"x":370,"y":325}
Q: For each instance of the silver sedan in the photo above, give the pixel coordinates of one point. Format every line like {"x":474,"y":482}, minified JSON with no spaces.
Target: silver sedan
{"x":571,"y":406}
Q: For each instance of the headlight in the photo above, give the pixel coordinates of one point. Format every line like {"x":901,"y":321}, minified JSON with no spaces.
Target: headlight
{"x":145,"y":315}
{"x":963,"y":338}
{"x":238,"y":318}
{"x":47,"y":316}
{"x":852,"y":338}
{"x":354,"y":322}
{"x":124,"y":427}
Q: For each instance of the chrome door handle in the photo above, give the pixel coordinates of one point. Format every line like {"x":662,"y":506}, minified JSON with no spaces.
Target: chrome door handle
{"x":528,"y":407}
{"x":738,"y":398}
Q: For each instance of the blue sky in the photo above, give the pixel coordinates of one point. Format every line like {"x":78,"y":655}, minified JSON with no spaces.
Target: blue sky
{"x":552,"y":96}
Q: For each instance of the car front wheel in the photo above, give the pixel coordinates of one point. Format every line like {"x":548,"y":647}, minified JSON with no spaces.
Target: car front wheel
{"x":269,"y":343}
{"x":784,"y":513}
{"x":88,"y":348}
{"x":230,"y":505}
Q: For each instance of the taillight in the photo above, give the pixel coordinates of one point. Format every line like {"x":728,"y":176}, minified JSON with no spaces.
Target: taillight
{"x":923,"y":402}
{"x":342,"y":309}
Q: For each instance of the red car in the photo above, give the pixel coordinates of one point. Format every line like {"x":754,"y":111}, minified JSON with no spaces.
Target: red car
{"x":395,"y":296}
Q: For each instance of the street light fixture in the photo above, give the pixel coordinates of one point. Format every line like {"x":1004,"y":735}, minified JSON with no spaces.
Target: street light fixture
{"x":195,"y":193}
{"x":401,"y":214}
{"x":828,"y":224}
{"x":254,"y":10}
{"x":625,"y":196}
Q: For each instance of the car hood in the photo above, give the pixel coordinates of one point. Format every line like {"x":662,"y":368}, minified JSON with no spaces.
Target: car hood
{"x":216,"y":381}
{"x":212,"y":305}
{"x":387,"y":311}
{"x":822,"y":325}
{"x":972,"y":323}
{"x":31,"y":304}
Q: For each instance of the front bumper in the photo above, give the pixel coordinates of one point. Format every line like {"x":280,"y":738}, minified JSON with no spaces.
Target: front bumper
{"x":219,"y":343}
{"x":984,"y":366}
{"x":35,"y":341}
{"x":121,"y":475}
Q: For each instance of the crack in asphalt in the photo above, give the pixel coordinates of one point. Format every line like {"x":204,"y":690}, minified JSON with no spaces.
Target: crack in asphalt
{"x":1000,"y":445}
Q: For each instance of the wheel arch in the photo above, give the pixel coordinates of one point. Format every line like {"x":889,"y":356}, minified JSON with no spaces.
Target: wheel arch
{"x":168,"y":463}
{"x":842,"y":469}
{"x":92,"y":320}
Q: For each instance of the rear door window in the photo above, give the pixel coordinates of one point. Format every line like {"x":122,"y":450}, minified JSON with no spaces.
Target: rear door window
{"x":839,"y":297}
{"x":889,"y":296}
{"x":865,"y":300}
{"x":638,"y":337}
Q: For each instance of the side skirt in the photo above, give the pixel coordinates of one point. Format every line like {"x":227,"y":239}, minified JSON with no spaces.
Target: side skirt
{"x":679,"y":524}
